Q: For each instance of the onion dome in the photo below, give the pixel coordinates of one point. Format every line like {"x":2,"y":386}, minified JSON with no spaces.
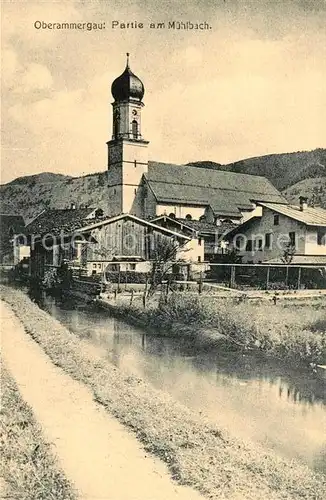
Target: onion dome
{"x":127,"y":86}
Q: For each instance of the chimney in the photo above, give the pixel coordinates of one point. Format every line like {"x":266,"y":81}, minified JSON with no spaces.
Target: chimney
{"x":303,"y":203}
{"x":72,"y":206}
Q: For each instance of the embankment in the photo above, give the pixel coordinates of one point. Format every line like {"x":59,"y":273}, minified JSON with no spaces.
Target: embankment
{"x":28,"y":468}
{"x":286,"y":331}
{"x":197,"y":452}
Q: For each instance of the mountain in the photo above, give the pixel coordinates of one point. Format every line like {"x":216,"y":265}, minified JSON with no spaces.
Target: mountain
{"x":43,"y":178}
{"x":301,"y":173}
{"x":30,"y":195}
{"x":283,"y":170}
{"x":313,"y":188}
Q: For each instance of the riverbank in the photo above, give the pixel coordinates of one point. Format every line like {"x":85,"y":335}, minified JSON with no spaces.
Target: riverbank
{"x":197,"y":453}
{"x":28,"y":468}
{"x":285,"y":331}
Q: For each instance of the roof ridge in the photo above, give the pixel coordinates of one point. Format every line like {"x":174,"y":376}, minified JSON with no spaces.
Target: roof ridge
{"x":209,"y":169}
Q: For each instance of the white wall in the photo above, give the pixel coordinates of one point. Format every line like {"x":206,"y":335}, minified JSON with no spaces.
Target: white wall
{"x":180,"y":211}
{"x":312,"y":247}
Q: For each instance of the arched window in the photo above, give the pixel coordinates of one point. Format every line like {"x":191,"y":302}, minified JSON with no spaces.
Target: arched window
{"x":116,"y":124}
{"x":189,"y":217}
{"x":134,"y":128}
{"x":172,"y":215}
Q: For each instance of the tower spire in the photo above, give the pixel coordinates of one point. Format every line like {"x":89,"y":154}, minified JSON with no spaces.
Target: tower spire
{"x":127,"y":54}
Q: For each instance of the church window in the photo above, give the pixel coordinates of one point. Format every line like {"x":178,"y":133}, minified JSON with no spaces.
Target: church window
{"x":116,"y":124}
{"x":134,"y":128}
{"x":189,"y":217}
{"x":172,"y":215}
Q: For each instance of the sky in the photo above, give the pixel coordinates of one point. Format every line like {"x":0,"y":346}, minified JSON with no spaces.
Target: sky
{"x":253,"y":84}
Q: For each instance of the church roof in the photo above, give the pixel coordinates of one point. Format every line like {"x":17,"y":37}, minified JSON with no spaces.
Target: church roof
{"x":127,"y":86}
{"x":226,"y":192}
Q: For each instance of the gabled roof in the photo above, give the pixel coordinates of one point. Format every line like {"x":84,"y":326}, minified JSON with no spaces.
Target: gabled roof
{"x":241,"y":227}
{"x":309,"y":216}
{"x":55,"y":221}
{"x":226,"y":192}
{"x":109,"y":220}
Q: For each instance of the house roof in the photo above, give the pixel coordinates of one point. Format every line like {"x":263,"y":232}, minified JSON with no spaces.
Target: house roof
{"x":78,"y":221}
{"x":110,"y":220}
{"x":226,"y":192}
{"x":239,"y":228}
{"x":200,"y":228}
{"x":309,"y":216}
{"x":10,"y":225}
{"x":55,"y":221}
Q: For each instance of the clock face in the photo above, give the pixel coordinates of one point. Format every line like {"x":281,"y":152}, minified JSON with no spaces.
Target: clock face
{"x":134,"y":112}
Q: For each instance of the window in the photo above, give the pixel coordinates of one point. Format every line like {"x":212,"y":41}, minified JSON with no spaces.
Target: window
{"x":132,"y":267}
{"x":172,"y":215}
{"x":276,"y":220}
{"x":199,"y":241}
{"x":199,"y":258}
{"x":94,"y":265}
{"x":188,"y":216}
{"x":249,"y":246}
{"x":135,"y":191}
{"x":259,"y":244}
{"x":321,"y":237}
{"x":268,"y":240}
{"x":99,"y":212}
{"x":292,"y":238}
{"x":134,"y":128}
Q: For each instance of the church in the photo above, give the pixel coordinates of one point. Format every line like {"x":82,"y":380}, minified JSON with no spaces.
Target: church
{"x":150,"y":189}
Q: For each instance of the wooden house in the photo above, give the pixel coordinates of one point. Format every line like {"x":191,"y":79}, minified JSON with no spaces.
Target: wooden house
{"x":90,"y":242}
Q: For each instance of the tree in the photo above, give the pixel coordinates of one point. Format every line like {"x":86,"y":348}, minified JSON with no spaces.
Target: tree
{"x":165,"y":256}
{"x":288,"y":253}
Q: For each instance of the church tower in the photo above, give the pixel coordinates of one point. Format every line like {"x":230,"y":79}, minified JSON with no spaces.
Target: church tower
{"x":127,"y":150}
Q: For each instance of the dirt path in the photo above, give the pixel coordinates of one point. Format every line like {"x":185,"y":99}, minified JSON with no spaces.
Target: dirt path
{"x":98,"y":455}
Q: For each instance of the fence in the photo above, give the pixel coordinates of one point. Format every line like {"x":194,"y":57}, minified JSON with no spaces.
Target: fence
{"x":267,"y":276}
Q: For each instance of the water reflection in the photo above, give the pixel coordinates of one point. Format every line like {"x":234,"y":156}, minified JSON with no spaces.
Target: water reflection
{"x":257,"y":399}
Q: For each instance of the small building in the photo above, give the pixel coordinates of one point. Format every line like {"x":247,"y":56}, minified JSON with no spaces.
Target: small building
{"x":282,"y":233}
{"x":12,"y":249}
{"x":90,"y":242}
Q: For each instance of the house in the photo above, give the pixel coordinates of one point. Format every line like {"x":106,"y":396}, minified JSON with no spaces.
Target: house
{"x":150,"y":189}
{"x":89,"y":241}
{"x":299,"y":231}
{"x":206,"y":242}
{"x":12,"y":251}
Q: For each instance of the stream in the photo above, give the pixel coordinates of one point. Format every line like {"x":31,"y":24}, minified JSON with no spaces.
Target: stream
{"x":254,"y":398}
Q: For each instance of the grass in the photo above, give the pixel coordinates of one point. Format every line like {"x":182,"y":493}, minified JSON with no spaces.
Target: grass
{"x":27,"y":465}
{"x":285,"y":330}
{"x":198,"y":453}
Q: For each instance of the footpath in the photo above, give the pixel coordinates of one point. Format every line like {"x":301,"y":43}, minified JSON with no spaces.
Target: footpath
{"x":102,"y":459}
